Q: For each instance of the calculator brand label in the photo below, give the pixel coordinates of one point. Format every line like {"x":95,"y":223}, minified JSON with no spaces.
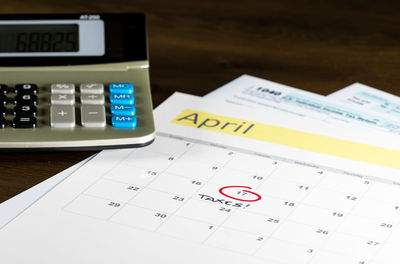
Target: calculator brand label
{"x":289,"y":137}
{"x":240,"y":193}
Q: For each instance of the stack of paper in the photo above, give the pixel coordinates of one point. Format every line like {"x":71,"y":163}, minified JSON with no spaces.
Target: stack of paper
{"x":286,"y":176}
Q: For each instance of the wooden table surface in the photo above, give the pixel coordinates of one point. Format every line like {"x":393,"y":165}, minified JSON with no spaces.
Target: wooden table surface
{"x":196,"y":46}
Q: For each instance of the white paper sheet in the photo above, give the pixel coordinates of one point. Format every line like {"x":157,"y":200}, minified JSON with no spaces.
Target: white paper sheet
{"x":214,"y":192}
{"x":368,"y":99}
{"x":14,"y":206}
{"x":262,"y":94}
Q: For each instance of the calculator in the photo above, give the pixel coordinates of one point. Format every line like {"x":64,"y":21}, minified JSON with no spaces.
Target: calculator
{"x":74,"y":82}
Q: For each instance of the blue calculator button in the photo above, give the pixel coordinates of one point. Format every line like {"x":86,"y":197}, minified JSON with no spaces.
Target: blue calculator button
{"x":121,"y":88}
{"x":123,"y":121}
{"x":122,"y":99}
{"x":123,"y":110}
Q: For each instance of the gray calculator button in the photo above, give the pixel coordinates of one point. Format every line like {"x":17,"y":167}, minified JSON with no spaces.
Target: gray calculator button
{"x":63,"y":99}
{"x":62,"y":88}
{"x":92,"y":99}
{"x":92,"y":88}
{"x":93,"y":116}
{"x":62,"y":116}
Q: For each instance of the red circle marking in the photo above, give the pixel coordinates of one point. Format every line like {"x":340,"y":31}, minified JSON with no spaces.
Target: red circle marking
{"x":243,"y":200}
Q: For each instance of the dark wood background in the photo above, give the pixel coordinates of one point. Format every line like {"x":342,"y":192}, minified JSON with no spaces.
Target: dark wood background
{"x":196,"y":46}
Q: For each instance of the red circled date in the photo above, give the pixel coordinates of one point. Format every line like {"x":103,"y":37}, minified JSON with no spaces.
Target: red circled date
{"x":243,"y":189}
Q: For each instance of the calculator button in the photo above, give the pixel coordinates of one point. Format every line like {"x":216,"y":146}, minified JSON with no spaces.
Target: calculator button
{"x":2,"y":122}
{"x":3,"y":89}
{"x":62,"y":116}
{"x":24,"y":122}
{"x":3,"y":99}
{"x":123,"y":121}
{"x":25,"y":99}
{"x":93,"y":116}
{"x":92,"y":88}
{"x":121,"y":88}
{"x":122,"y":99}
{"x":123,"y":110}
{"x":92,"y":99}
{"x":62,"y":88}
{"x":26,"y":88}
{"x":25,"y":110}
{"x":63,"y":99}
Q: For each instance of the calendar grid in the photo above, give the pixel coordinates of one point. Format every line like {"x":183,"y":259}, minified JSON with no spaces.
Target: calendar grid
{"x":146,"y":185}
{"x":190,"y":197}
{"x":304,"y":209}
{"x":235,"y":210}
{"x":371,"y":260}
{"x":334,"y":229}
{"x":283,"y":159}
{"x":96,"y":180}
{"x":287,"y":217}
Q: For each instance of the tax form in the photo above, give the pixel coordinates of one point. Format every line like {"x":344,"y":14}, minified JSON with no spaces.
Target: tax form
{"x":262,"y":94}
{"x":369,"y":99}
{"x":222,"y":184}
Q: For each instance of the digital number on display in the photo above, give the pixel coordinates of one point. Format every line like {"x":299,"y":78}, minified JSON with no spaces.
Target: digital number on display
{"x":39,"y":38}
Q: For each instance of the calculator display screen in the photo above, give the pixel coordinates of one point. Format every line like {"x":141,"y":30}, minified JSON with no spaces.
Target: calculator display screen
{"x":71,"y":39}
{"x":39,"y":38}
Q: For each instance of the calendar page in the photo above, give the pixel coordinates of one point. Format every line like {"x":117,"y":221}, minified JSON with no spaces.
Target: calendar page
{"x":203,"y":194}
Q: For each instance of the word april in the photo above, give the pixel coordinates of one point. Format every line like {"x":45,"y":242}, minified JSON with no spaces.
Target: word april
{"x":234,"y":127}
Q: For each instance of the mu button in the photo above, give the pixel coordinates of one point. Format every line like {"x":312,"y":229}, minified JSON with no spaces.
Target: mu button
{"x":24,"y":122}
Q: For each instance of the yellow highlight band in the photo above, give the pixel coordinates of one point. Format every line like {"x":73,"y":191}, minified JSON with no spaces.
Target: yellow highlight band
{"x":289,"y":137}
